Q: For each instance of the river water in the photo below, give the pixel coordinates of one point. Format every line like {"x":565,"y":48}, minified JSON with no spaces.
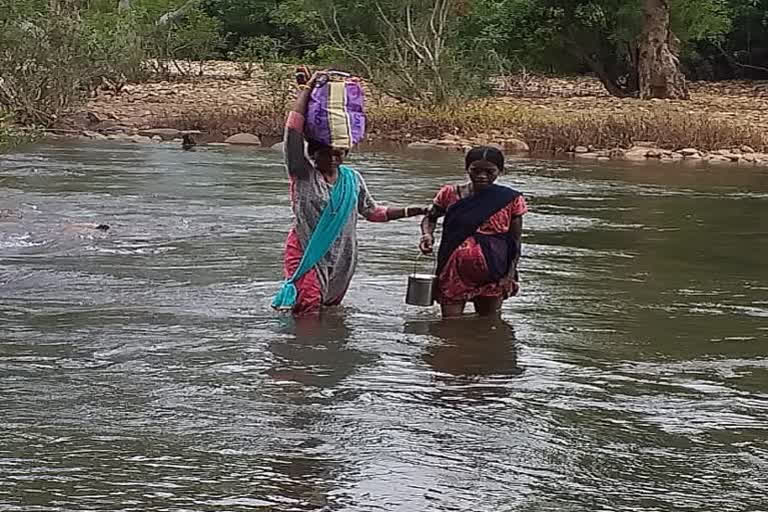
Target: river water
{"x":142,"y":369}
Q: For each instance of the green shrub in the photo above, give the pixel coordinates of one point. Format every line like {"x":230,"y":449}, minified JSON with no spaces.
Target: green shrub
{"x":253,"y":52}
{"x":47,"y":67}
{"x":10,"y":136}
{"x":117,"y":49}
{"x":184,"y":46}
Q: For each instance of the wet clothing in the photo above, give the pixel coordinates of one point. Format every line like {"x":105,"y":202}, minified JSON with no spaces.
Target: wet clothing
{"x":341,"y":204}
{"x":327,"y":282}
{"x":478,"y":252}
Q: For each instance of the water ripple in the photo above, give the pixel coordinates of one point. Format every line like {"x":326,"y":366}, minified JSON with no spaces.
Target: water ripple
{"x":143,"y":369}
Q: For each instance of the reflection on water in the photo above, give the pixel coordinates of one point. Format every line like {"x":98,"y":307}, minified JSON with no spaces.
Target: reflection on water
{"x":317,"y":353}
{"x":469,"y":348}
{"x":143,"y":369}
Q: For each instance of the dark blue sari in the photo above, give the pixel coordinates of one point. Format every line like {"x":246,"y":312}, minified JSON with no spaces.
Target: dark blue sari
{"x":464,"y":218}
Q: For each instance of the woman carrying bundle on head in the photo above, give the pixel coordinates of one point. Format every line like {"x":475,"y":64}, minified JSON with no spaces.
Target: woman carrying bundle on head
{"x":326,"y":196}
{"x":480,"y":245}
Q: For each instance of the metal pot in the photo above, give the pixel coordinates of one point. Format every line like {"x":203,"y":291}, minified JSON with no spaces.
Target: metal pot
{"x":421,"y":288}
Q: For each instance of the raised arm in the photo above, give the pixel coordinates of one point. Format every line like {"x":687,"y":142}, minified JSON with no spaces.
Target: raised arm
{"x":293,"y":142}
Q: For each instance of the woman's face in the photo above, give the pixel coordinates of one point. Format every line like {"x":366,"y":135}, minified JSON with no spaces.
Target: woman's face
{"x":329,"y":159}
{"x":483,"y":173}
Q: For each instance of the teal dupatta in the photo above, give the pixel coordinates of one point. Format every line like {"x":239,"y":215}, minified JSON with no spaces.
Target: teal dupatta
{"x":342,"y":202}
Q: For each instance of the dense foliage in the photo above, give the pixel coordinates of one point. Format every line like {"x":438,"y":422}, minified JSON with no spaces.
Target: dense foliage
{"x":719,"y":38}
{"x":53,"y":53}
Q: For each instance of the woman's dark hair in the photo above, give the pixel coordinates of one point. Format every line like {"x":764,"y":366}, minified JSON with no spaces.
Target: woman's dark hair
{"x":487,"y":153}
{"x":314,"y":146}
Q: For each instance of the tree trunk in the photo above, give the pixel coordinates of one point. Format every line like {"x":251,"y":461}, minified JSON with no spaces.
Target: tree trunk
{"x":633,"y":81}
{"x":607,"y":79}
{"x":609,"y":82}
{"x":659,"y":72}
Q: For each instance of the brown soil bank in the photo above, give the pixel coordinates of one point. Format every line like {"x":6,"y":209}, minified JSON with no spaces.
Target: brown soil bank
{"x":725,"y":121}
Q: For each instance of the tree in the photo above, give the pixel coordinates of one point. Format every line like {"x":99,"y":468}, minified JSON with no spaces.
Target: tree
{"x":745,"y":49}
{"x":600,"y":36}
{"x":46,"y":64}
{"x":244,"y":19}
{"x":410,"y":49}
{"x":659,"y":74}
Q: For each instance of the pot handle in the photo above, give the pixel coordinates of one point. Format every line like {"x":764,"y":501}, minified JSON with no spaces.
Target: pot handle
{"x":419,"y":256}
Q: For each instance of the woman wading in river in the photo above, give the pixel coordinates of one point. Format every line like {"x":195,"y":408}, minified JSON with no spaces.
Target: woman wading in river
{"x":326,"y":196}
{"x":480,"y":245}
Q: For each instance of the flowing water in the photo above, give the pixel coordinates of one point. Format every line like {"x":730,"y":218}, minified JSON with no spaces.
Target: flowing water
{"x":142,"y":369}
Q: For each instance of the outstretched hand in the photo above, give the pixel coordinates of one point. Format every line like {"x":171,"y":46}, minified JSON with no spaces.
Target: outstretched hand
{"x":415,"y":211}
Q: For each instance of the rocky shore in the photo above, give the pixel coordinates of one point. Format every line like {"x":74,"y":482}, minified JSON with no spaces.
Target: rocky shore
{"x":548,"y":116}
{"x":640,"y":151}
{"x":108,"y":131}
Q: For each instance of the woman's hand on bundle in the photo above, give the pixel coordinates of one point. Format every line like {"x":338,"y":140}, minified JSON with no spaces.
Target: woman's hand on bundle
{"x":309,"y":81}
{"x":316,"y":77}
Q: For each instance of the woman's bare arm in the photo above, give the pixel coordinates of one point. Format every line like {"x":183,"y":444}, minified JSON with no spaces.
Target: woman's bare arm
{"x":516,"y":230}
{"x":428,"y":225}
{"x":293,"y":142}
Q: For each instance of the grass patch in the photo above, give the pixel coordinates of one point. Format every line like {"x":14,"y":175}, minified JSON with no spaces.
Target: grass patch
{"x":12,"y":136}
{"x":550,"y":131}
{"x":545,"y":130}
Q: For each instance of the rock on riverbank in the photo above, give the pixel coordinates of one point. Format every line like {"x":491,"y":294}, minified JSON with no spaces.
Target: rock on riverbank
{"x":639,"y":152}
{"x":649,"y":151}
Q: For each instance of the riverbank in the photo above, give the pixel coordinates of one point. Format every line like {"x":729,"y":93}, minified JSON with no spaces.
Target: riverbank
{"x":723,"y":122}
